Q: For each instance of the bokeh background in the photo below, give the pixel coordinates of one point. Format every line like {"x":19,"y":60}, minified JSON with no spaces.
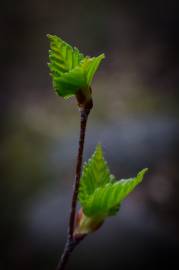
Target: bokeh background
{"x":135,"y":117}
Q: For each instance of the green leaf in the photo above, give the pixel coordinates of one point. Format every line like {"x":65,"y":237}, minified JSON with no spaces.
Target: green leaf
{"x":100,"y":195}
{"x":95,"y":174}
{"x":70,"y":70}
{"x":106,"y":200}
{"x":92,"y":67}
{"x":68,"y":84}
{"x":62,"y":55}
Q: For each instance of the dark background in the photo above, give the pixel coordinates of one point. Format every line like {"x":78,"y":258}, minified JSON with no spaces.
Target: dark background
{"x":135,"y":117}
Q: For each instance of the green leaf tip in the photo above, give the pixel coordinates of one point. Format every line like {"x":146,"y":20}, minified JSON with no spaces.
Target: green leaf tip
{"x":70,"y":70}
{"x":100,"y":194}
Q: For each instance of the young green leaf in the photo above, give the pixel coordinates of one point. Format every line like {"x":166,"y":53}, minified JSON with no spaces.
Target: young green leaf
{"x":63,"y":55}
{"x":95,"y":174}
{"x":99,"y":195}
{"x":70,"y":70}
{"x":106,"y":200}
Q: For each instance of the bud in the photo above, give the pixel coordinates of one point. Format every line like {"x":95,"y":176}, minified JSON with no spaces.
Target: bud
{"x":85,"y":225}
{"x":84,"y":98}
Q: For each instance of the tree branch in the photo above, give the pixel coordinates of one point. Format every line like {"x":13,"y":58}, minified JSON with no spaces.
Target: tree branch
{"x":71,"y":243}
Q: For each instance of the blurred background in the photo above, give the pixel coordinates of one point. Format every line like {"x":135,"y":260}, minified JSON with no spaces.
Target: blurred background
{"x":135,"y":117}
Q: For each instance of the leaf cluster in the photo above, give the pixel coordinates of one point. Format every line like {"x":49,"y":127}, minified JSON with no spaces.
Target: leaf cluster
{"x":100,"y":194}
{"x":70,"y":69}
